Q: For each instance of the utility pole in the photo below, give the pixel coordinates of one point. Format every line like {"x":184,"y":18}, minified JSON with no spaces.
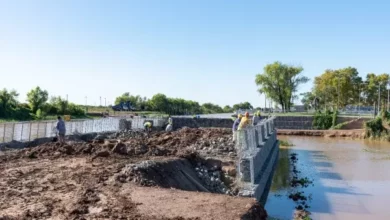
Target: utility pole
{"x":100,"y":101}
{"x":66,"y":97}
{"x":379,"y":99}
{"x":360,"y":92}
{"x":105,"y":102}
{"x":86,"y":109}
{"x":338,"y":92}
{"x":388,"y":95}
{"x":388,"y":91}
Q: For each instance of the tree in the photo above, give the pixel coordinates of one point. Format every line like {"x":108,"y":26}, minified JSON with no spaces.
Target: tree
{"x":210,"y":108}
{"x":37,"y":98}
{"x":159,"y":102}
{"x":227,"y":109}
{"x":60,"y":104}
{"x":279,"y":82}
{"x":243,"y":105}
{"x":307,"y":99}
{"x":338,"y":87}
{"x":371,"y":86}
{"x":136,"y":101}
{"x":8,"y":102}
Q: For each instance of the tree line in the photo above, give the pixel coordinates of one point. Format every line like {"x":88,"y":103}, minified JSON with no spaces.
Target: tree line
{"x":38,"y":105}
{"x":177,"y":106}
{"x":332,"y":89}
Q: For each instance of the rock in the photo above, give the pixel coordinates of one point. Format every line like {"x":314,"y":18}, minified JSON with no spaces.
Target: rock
{"x":229,"y":170}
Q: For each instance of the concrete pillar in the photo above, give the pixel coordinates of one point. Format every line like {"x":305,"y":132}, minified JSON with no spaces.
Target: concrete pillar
{"x":259,"y":137}
{"x":262,"y":132}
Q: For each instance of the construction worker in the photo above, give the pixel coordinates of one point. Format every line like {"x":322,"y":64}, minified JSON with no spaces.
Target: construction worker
{"x":256,"y":118}
{"x":235,"y":126}
{"x":170,"y":125}
{"x":148,"y":126}
{"x":61,"y":130}
{"x":245,"y":121}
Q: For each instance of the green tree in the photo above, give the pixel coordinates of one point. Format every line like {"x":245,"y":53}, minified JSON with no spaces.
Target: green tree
{"x":159,"y":102}
{"x":279,"y":81}
{"x":307,"y":99}
{"x":338,"y":87}
{"x":37,"y":98}
{"x":371,"y":86}
{"x":136,"y":100}
{"x":227,"y":109}
{"x":210,"y":108}
{"x":242,"y":105}
{"x":8,"y":102}
{"x":60,"y":104}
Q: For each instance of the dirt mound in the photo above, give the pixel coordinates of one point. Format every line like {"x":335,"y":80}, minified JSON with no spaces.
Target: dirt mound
{"x":135,"y":143}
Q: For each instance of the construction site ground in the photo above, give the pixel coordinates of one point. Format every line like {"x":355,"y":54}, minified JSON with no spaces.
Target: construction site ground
{"x":100,"y":178}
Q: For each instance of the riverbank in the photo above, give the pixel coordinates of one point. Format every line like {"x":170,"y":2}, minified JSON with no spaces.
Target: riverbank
{"x":356,"y":133}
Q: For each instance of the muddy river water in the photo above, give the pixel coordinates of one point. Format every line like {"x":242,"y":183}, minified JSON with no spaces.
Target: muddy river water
{"x":351,"y":179}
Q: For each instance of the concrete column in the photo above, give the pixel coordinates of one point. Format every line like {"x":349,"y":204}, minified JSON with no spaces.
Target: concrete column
{"x":259,"y":137}
{"x":262,"y":131}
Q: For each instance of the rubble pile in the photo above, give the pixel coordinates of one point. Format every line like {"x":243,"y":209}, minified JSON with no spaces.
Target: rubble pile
{"x":212,"y":179}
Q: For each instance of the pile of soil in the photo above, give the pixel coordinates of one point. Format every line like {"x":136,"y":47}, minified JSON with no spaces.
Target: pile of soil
{"x":79,"y":180}
{"x":136,"y":143}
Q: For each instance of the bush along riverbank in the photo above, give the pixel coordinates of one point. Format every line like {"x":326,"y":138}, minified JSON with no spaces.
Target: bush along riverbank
{"x":297,"y":194}
{"x":378,"y":128}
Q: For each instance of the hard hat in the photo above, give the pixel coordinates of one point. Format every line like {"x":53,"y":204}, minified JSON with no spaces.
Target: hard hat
{"x":246,"y":114}
{"x":239,"y":116}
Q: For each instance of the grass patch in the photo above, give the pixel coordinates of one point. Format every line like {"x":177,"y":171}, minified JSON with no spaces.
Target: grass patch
{"x":285,"y":143}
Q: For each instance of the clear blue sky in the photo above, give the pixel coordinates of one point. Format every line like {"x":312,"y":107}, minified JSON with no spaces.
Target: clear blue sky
{"x":208,"y":51}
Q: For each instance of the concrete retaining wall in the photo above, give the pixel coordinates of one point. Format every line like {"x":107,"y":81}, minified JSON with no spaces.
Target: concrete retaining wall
{"x":258,"y":150}
{"x":201,"y":122}
{"x":281,"y":122}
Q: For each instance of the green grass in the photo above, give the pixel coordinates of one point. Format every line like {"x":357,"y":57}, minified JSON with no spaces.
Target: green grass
{"x":285,"y":143}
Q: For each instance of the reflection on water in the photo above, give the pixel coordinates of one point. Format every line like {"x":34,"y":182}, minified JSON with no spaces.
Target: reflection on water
{"x":280,"y":180}
{"x":351,"y":178}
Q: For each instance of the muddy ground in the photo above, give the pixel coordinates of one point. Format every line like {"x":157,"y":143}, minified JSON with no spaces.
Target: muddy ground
{"x":355,"y":133}
{"x":80,"y":180}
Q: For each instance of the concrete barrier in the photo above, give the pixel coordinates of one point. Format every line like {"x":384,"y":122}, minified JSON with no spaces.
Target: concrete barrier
{"x":279,"y":122}
{"x":258,"y":150}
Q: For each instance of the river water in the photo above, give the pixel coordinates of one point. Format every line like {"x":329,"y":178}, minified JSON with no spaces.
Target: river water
{"x":351,"y":179}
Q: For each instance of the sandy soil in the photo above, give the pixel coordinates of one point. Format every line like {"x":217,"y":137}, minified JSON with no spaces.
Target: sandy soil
{"x":78,"y":182}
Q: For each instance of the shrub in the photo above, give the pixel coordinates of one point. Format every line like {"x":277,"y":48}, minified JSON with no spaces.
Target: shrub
{"x":75,"y":110}
{"x":21,"y":113}
{"x":374,"y":128}
{"x":322,"y":121}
